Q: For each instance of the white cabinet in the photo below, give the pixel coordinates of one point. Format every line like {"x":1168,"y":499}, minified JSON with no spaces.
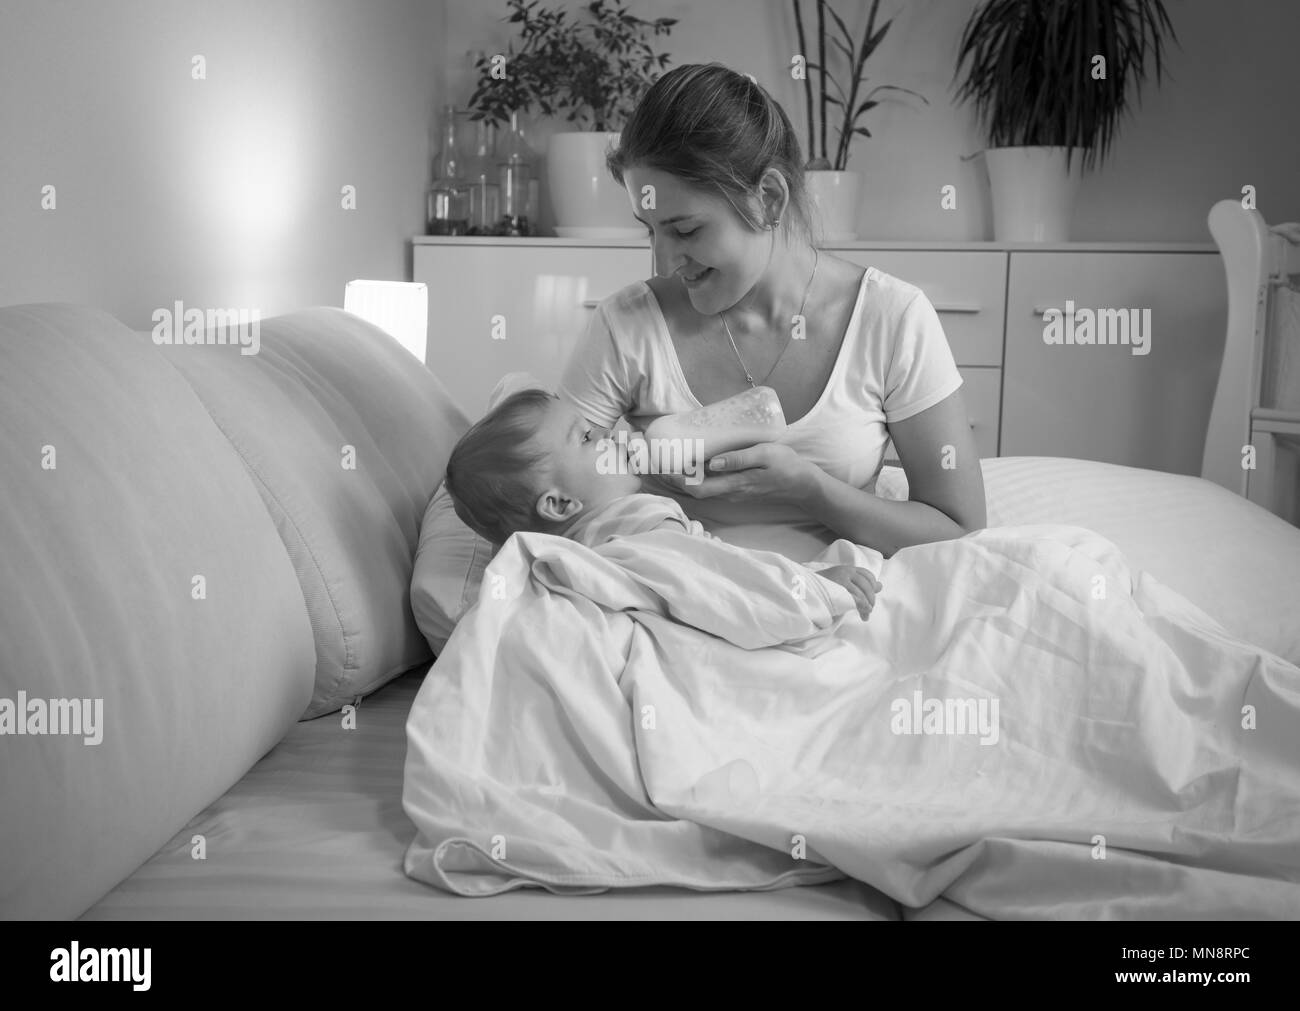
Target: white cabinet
{"x":521,"y":307}
{"x":1103,"y":401}
{"x":968,"y":290}
{"x":503,"y":305}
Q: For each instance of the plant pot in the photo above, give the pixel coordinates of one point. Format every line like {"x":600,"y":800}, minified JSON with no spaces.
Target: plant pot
{"x":835,"y":196}
{"x":1033,"y":195}
{"x":586,"y":201}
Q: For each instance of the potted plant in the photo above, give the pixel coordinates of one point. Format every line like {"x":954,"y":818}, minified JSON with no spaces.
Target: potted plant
{"x":592,"y":72}
{"x":835,"y":190}
{"x":1050,"y":81}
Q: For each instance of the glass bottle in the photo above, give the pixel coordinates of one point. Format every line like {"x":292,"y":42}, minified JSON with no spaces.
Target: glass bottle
{"x":517,"y":177}
{"x":447,"y":203}
{"x":481,"y":177}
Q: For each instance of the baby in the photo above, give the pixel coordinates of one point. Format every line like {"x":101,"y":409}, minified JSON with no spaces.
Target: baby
{"x":533,"y":463}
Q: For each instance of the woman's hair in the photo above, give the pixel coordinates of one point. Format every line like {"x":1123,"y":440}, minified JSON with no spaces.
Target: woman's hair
{"x":712,"y":127}
{"x":490,"y":475}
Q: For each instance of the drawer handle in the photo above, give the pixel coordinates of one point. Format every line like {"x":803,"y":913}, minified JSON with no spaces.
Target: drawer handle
{"x":591,"y":303}
{"x":1042,"y":310}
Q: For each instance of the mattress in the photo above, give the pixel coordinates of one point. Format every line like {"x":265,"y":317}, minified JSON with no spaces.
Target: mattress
{"x":316,"y":831}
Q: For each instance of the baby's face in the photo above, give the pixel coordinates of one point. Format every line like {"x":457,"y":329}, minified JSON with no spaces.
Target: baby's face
{"x":579,"y":472}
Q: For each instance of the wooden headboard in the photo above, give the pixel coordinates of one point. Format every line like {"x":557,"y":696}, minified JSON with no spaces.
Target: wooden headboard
{"x":1257,"y":259}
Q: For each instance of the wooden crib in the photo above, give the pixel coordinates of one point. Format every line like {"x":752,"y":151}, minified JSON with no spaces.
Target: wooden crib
{"x":1252,"y":445}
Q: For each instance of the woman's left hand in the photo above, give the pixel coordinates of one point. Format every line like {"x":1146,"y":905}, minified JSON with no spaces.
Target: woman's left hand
{"x":770,"y":472}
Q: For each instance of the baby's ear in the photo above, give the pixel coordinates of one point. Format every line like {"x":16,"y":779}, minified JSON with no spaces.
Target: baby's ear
{"x":555,"y":506}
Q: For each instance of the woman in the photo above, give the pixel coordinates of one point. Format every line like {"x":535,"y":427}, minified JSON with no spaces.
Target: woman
{"x":742,"y":297}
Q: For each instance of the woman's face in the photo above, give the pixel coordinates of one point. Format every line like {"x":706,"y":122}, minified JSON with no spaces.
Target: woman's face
{"x":699,"y":238}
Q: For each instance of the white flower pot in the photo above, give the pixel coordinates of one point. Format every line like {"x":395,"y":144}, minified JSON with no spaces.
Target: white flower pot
{"x":835,"y":197}
{"x":1033,"y":195}
{"x":586,"y":201}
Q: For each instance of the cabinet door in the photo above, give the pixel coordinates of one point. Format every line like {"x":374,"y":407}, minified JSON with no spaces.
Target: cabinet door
{"x":1103,"y":401}
{"x":499,"y":309}
{"x":967,"y":289}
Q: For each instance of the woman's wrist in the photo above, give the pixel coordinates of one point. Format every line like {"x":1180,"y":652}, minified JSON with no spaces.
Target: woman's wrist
{"x":812,"y":490}
{"x":848,"y":512}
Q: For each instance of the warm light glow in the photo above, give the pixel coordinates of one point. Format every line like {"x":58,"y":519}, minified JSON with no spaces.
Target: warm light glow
{"x":400,"y":308}
{"x":256,"y":177}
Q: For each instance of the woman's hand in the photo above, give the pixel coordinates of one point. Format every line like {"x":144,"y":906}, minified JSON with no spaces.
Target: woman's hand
{"x":770,"y":472}
{"x":859,"y":582}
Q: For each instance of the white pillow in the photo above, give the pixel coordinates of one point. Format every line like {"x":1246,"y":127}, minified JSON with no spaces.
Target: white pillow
{"x":1237,"y":562}
{"x":450,"y":558}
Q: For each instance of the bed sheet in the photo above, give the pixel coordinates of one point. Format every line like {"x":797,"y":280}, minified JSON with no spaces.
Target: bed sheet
{"x":316,"y":831}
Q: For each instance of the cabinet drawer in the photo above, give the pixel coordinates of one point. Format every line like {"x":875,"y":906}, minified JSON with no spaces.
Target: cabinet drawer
{"x":967,"y":289}
{"x":499,"y":309}
{"x":1102,"y":401}
{"x":981,"y":391}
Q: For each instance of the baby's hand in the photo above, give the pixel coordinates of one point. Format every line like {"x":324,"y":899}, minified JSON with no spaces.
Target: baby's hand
{"x":859,"y":582}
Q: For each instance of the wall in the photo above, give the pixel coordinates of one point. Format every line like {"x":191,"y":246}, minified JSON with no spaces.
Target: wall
{"x":226,"y":191}
{"x":1214,"y":126}
{"x":218,"y":192}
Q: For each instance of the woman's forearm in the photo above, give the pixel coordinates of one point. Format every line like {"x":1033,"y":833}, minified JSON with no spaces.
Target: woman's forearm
{"x":865,"y":518}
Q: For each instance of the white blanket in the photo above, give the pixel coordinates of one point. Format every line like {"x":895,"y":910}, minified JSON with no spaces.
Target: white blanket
{"x":1023,"y":725}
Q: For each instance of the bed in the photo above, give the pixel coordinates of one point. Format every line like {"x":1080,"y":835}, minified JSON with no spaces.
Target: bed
{"x":316,"y":829}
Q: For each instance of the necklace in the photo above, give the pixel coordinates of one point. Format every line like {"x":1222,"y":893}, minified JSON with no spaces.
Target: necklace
{"x":745,"y":368}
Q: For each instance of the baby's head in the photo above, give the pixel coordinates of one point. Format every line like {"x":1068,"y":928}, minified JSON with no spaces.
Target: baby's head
{"x":531,"y":464}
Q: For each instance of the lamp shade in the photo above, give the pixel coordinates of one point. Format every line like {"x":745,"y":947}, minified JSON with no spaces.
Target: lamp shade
{"x":400,"y":308}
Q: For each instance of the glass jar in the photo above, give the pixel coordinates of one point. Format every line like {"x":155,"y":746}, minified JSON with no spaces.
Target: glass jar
{"x":517,"y":178}
{"x":481,"y":178}
{"x":447,"y":202}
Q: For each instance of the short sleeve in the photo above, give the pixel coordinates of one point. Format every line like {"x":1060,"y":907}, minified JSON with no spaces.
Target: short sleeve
{"x":921,"y":370}
{"x":595,"y":379}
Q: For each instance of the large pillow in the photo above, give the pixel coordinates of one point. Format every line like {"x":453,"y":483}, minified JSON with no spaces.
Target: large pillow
{"x":450,"y":559}
{"x":346,"y":436}
{"x":140,"y":573}
{"x":1237,"y":562}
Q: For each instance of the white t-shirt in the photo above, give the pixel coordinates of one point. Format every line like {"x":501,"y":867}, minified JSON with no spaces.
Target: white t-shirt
{"x":894,"y":362}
